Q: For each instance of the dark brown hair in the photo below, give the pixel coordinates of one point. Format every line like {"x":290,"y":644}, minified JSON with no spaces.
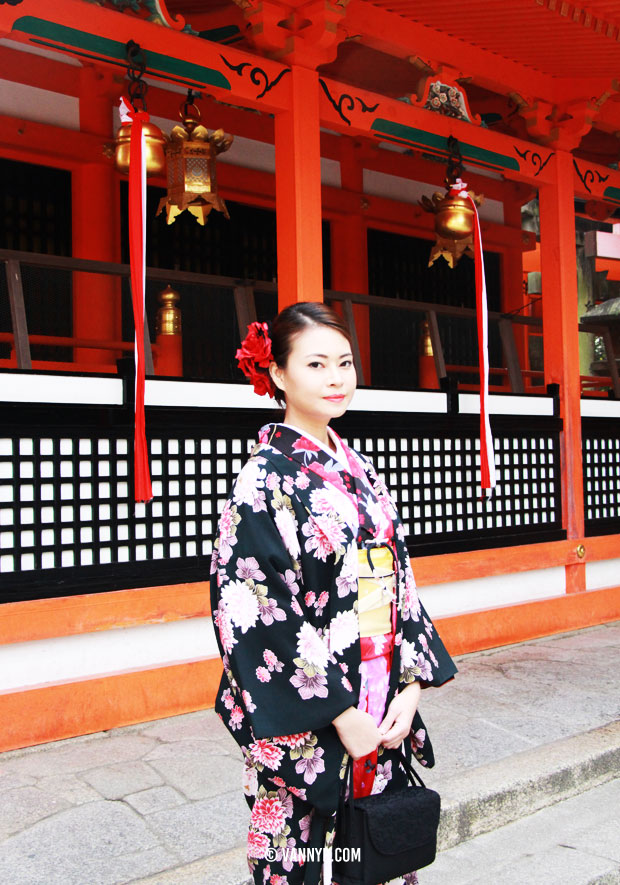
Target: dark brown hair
{"x":293,"y":320}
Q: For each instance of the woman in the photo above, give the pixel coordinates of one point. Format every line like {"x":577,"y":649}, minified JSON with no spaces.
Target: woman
{"x":324,"y":642}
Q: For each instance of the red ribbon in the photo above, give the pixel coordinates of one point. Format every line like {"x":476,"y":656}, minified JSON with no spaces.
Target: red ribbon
{"x":137,"y":261}
{"x":487,"y":452}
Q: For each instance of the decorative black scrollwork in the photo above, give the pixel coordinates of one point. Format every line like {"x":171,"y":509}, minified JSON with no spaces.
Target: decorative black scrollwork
{"x":536,"y":160}
{"x":348,"y":101}
{"x":587,"y":177}
{"x":11,"y":2}
{"x":258,"y":76}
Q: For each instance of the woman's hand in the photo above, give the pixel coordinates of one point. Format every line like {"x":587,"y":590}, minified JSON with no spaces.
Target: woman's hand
{"x":358,"y":732}
{"x":396,"y":724}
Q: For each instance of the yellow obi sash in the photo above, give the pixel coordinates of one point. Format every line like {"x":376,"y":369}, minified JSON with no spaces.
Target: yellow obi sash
{"x":376,"y":589}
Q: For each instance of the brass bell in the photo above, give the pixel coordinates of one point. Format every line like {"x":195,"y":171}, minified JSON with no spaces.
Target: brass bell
{"x":454,"y":218}
{"x":155,"y":156}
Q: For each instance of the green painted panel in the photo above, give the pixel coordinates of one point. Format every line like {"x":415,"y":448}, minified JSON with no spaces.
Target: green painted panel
{"x":612,"y":193}
{"x":225,"y":34}
{"x":114,"y":49}
{"x":422,"y":138}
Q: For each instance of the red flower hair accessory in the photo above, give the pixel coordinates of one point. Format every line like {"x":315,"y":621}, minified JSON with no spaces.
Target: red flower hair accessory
{"x":254,"y":357}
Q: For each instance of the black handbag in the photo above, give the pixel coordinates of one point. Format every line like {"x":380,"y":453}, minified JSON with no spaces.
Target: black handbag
{"x":386,"y":835}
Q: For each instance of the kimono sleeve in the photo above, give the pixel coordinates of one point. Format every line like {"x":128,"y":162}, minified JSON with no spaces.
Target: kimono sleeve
{"x":286,"y":677}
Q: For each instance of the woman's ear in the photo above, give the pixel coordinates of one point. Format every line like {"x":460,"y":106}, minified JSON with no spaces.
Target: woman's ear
{"x":276,"y":375}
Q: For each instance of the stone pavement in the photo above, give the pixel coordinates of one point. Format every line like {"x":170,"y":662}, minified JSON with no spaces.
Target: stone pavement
{"x":527,"y":740}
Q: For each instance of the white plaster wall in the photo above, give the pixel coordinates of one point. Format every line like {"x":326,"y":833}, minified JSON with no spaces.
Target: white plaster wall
{"x":39,"y":105}
{"x":381,"y":184}
{"x":497,"y":591}
{"x":605,"y":573}
{"x":27,"y":665}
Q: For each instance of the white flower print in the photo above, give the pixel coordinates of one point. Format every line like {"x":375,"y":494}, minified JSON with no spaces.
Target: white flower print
{"x":311,"y":647}
{"x":415,"y":662}
{"x":347,"y":579}
{"x":408,"y":655}
{"x":343,"y":631}
{"x":325,"y":535}
{"x":249,"y":486}
{"x":241,"y":604}
{"x":287,"y":526}
{"x":331,"y":500}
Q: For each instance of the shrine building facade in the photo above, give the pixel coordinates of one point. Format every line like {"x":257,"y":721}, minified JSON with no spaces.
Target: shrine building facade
{"x":346,"y":118}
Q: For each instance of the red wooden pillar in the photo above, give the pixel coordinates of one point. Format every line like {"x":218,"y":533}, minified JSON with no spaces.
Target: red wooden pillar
{"x":95,"y":220}
{"x":298,"y":192}
{"x":561,"y":339}
{"x":349,"y":253}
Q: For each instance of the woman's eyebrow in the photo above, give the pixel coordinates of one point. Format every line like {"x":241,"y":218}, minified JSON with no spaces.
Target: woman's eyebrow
{"x":325,"y":356}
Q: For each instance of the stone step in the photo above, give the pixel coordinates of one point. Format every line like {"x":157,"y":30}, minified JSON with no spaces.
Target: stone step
{"x":490,"y":796}
{"x":573,"y":842}
{"x":483,"y":803}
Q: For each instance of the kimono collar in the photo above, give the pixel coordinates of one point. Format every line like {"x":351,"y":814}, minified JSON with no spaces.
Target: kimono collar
{"x":312,"y":457}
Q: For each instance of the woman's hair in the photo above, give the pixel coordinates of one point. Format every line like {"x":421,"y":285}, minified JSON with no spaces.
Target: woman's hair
{"x":293,"y":320}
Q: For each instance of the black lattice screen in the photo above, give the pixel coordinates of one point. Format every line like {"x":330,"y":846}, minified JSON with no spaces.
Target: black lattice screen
{"x":68,"y":523}
{"x":601,"y":476}
{"x":434,"y":474}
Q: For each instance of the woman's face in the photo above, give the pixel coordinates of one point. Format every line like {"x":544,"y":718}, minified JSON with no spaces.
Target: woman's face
{"x":319,"y":378}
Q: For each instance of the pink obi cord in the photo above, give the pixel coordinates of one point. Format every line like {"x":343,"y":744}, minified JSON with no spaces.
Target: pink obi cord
{"x":375,"y":678}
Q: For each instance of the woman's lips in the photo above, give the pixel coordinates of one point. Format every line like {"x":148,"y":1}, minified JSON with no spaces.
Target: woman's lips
{"x":338,"y":398}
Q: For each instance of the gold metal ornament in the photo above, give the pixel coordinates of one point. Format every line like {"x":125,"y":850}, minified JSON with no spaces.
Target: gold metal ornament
{"x":154,"y":142}
{"x":168,"y":320}
{"x":191,"y":153}
{"x":454,"y":214}
{"x":155,"y":139}
{"x":454,"y":225}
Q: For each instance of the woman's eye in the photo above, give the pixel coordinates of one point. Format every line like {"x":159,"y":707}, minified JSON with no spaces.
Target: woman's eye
{"x":346,"y":364}
{"x":315,"y":365}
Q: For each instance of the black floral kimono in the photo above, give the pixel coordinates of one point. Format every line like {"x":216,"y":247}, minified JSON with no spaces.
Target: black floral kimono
{"x":284,"y":602}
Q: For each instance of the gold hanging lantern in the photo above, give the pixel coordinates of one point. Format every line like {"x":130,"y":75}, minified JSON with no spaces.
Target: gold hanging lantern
{"x":190,"y":152}
{"x":454,"y":214}
{"x":154,"y":137}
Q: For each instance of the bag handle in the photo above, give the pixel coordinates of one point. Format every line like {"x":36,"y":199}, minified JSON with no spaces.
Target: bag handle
{"x":412,"y":777}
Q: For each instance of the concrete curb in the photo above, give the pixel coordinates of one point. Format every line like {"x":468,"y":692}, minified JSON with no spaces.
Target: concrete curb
{"x":488,"y":797}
